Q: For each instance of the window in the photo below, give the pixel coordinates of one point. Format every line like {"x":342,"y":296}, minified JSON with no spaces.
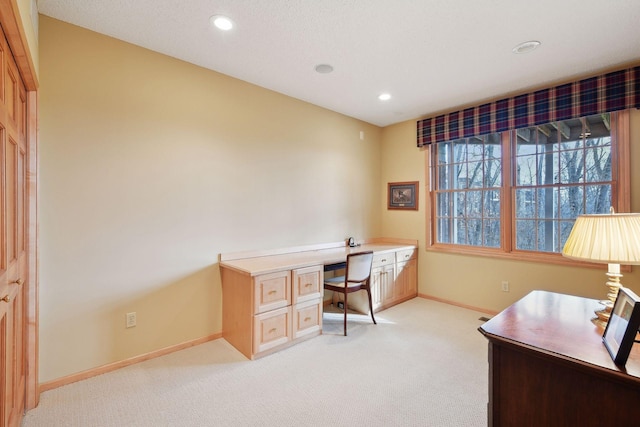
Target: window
{"x":518,"y":192}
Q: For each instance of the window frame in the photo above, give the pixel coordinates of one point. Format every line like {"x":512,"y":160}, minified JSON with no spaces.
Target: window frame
{"x":620,"y":194}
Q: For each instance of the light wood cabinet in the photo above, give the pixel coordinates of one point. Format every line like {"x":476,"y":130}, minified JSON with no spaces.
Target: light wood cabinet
{"x":268,"y":312}
{"x":394,"y":278}
{"x":406,"y":282}
{"x":273,"y":299}
{"x":382,"y":280}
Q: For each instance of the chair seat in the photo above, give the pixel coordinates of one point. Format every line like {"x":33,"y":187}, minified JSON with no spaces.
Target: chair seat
{"x":339,"y":281}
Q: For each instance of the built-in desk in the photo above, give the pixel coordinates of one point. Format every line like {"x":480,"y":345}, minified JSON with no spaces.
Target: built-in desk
{"x":272,"y":299}
{"x":548,"y":367}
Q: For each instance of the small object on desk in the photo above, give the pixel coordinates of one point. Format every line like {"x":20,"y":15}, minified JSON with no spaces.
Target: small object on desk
{"x":622,"y":327}
{"x":351,"y":242}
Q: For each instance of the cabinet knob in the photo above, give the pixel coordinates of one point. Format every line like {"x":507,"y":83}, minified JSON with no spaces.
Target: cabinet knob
{"x":272,"y":330}
{"x":272,"y":292}
{"x":5,"y":298}
{"x":308,"y":285}
{"x":18,"y":282}
{"x":306,"y":319}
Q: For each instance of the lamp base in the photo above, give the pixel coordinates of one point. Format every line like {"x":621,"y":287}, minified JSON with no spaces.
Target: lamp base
{"x":603,"y":315}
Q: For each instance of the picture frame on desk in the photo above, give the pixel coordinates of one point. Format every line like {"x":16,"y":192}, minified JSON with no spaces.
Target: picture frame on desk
{"x":622,"y":328}
{"x":402,"y":195}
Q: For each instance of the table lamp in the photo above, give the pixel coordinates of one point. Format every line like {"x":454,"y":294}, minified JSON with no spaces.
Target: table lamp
{"x":612,"y":239}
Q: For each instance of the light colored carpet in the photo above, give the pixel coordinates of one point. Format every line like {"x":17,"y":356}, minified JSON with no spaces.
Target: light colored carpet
{"x":424,"y":364}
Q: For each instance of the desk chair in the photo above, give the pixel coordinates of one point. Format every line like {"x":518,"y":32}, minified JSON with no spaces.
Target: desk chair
{"x":357,"y":275}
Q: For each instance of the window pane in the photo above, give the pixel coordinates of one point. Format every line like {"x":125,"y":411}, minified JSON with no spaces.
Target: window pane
{"x":526,"y":170}
{"x":571,"y":202}
{"x":493,"y":149}
{"x":597,"y":199}
{"x":492,"y":233}
{"x":460,"y":179}
{"x":492,"y":204}
{"x":443,"y":177}
{"x":460,"y":231}
{"x":443,"y":204}
{"x":444,"y":153}
{"x":546,"y":236}
{"x":443,"y":231}
{"x":598,"y":163}
{"x":459,"y":151}
{"x":548,"y":166}
{"x":474,"y":232}
{"x":492,"y":174}
{"x":571,"y":166}
{"x":547,"y":202}
{"x":526,"y":203}
{"x":459,"y":199}
{"x":525,"y":234}
{"x":474,"y":204}
{"x":475,"y":174}
{"x":475,"y":150}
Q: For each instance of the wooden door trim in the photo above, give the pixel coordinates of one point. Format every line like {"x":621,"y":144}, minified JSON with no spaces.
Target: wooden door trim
{"x":14,"y":31}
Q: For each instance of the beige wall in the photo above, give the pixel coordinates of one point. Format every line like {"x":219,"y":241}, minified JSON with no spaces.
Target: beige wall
{"x":149,"y":168}
{"x":474,"y":280}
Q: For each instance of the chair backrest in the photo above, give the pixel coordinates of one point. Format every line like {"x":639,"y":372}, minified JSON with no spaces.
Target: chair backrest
{"x":359,"y":266}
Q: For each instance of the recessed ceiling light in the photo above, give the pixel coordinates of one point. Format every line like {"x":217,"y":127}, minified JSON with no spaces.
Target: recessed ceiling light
{"x":384,"y":97}
{"x":526,"y":47}
{"x":324,"y":68}
{"x":221,"y":22}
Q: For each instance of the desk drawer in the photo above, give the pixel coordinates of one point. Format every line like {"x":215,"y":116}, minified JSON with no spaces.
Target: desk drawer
{"x":405,"y":255}
{"x":307,"y":283}
{"x":307,"y":318}
{"x":271,"y":329}
{"x":272,"y":291}
{"x":383,"y":259}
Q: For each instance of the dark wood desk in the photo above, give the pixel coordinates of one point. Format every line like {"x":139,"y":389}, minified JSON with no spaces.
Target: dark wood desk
{"x":548,"y":367}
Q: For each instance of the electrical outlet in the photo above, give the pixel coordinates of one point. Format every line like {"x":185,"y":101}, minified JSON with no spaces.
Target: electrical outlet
{"x":505,"y":286}
{"x":131,"y":319}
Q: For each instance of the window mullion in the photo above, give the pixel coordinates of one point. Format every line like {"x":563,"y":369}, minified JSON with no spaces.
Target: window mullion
{"x":507,"y":211}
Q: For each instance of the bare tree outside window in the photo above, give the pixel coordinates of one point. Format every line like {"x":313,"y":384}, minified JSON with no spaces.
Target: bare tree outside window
{"x":555,"y":172}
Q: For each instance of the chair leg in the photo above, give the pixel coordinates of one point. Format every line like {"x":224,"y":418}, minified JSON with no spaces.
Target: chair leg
{"x":371,"y":305}
{"x":345,"y":314}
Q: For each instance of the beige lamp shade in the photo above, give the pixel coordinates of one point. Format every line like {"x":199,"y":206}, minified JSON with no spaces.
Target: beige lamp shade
{"x":608,"y":238}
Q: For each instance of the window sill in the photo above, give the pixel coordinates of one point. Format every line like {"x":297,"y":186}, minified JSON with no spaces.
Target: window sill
{"x":550,"y":258}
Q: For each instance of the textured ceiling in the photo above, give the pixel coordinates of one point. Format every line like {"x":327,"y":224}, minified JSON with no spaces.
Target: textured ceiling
{"x":430,"y":55}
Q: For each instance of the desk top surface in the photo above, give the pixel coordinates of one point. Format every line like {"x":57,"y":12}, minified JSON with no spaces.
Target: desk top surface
{"x":306,"y":258}
{"x":561,"y":325}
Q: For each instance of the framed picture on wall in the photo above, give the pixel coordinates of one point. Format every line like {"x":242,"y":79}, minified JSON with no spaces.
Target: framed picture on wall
{"x":622,"y":328}
{"x":402,"y":195}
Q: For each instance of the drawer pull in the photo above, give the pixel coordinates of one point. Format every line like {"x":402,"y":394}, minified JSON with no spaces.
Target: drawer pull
{"x":272,"y":330}
{"x":308,"y":285}
{"x":384,"y":260}
{"x":407,"y":256}
{"x":18,"y":282}
{"x":5,"y":298}
{"x":272,"y":292}
{"x":306,"y":319}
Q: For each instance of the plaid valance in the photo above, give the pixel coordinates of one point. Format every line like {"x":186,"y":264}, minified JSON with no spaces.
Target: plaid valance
{"x":618,"y":90}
